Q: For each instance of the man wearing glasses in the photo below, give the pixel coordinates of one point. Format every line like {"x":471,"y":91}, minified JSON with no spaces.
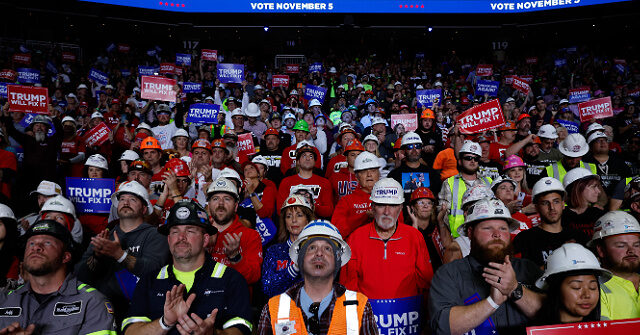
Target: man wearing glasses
{"x":454,"y":187}
{"x":318,"y":305}
{"x":413,"y":172}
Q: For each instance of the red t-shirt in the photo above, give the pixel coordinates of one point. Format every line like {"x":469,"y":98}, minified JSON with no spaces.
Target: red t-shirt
{"x":288,"y":160}
{"x":336,"y":164}
{"x":343,"y":183}
{"x":318,"y":186}
{"x":496,"y":152}
{"x":7,"y":161}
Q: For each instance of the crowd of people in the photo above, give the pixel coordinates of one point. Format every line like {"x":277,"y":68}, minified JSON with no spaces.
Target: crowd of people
{"x":340,"y":219}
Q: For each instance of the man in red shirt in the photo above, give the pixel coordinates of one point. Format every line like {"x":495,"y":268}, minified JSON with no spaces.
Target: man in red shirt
{"x":339,"y":161}
{"x":507,"y":136}
{"x":319,"y":187}
{"x":389,"y":261}
{"x":301,"y":132}
{"x":354,"y":210}
{"x":344,"y":181}
{"x":72,"y":149}
{"x":235,"y":245}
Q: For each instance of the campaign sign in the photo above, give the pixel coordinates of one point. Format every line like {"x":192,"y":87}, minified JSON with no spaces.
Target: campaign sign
{"x":487,"y":87}
{"x":28,"y":99}
{"x":183,"y":59}
{"x":97,"y":135}
{"x":579,"y":94}
{"x":532,"y":60}
{"x":633,"y":93}
{"x":158,"y":88}
{"x":595,"y":109}
{"x":572,"y":127}
{"x":265,"y":227}
{"x":280,"y":80}
{"x":618,"y":327}
{"x":52,"y":67}
{"x":245,"y":147}
{"x":527,"y":79}
{"x":28,"y":76}
{"x":420,"y":55}
{"x":91,"y":195}
{"x":315,"y":67}
{"x":68,"y":56}
{"x":146,"y":70}
{"x":22,"y":58}
{"x":621,"y":68}
{"x":188,"y":87}
{"x":560,"y":62}
{"x":99,"y":77}
{"x":426,"y":98}
{"x":410,"y":121}
{"x":124,"y":48}
{"x":508,"y":79}
{"x":397,"y":316}
{"x":230,"y":73}
{"x":203,"y":113}
{"x":211,"y":55}
{"x":167,"y":68}
{"x":3,"y":90}
{"x":484,"y":70}
{"x":28,"y":118}
{"x":293,"y":68}
{"x":521,"y":85}
{"x":8,"y":74}
{"x":152,"y":52}
{"x":125,"y":72}
{"x":314,"y":92}
{"x":620,"y":61}
{"x":482,"y":117}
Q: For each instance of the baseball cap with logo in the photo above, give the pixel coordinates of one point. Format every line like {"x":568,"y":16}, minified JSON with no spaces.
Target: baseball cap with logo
{"x":47,"y":188}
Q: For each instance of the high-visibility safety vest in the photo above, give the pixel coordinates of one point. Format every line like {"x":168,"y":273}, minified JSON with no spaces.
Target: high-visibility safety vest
{"x":458,"y":187}
{"x":557,"y":170}
{"x":346,"y":318}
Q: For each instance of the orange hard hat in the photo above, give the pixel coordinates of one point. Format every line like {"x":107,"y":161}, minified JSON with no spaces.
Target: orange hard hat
{"x":271,"y":131}
{"x":398,"y":144}
{"x":201,"y":143}
{"x":508,"y":126}
{"x":428,"y":114}
{"x":179,"y":167}
{"x":422,"y":193}
{"x":219,"y":143}
{"x":354,"y":145}
{"x":150,"y":142}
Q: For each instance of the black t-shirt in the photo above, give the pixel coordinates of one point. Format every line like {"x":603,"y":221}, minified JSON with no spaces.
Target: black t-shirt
{"x":535,"y":171}
{"x":490,"y":169}
{"x":611,"y":172}
{"x":536,"y":244}
{"x":582,"y":222}
{"x":411,"y":179}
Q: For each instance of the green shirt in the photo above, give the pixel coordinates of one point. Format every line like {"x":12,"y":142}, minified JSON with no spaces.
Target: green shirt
{"x":186,"y":278}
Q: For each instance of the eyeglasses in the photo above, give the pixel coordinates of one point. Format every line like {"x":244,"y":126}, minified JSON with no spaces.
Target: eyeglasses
{"x":471,"y":158}
{"x":424,"y":202}
{"x":314,"y":321}
{"x":413,"y":146}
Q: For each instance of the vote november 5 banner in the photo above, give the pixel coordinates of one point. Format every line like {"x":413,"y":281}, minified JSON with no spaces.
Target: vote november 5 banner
{"x":481,"y":118}
{"x":90,"y":195}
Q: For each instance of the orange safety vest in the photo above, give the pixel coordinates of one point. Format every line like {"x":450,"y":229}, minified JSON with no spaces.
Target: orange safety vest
{"x":346,"y":318}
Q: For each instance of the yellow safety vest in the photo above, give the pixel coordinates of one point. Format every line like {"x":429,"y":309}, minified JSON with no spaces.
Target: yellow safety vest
{"x":557,"y":170}
{"x":456,"y":215}
{"x":619,"y":300}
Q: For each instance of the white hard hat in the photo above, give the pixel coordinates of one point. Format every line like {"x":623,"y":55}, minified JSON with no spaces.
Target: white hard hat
{"x":377,"y":120}
{"x":475,"y":193}
{"x":596,"y":135}
{"x":69,"y":119}
{"x":333,"y":70}
{"x":293,"y":92}
{"x":97,"y":115}
{"x":510,"y":99}
{"x":371,"y":137}
{"x":411,"y":138}
{"x":318,"y":228}
{"x":135,"y":188}
{"x":419,"y":87}
{"x":502,"y":179}
{"x":222,"y":185}
{"x":59,"y":204}
{"x":314,"y":102}
{"x":471,"y":147}
{"x":296,"y":200}
{"x":548,"y":131}
{"x":209,"y":98}
{"x":288,"y":116}
{"x":6,"y":213}
{"x":614,"y":223}
{"x":547,"y":184}
{"x":252,"y":110}
{"x":265,"y":101}
{"x":81,"y":86}
{"x":366,"y":160}
{"x":42,"y":119}
{"x":144,"y":125}
{"x":488,"y":209}
{"x":437,"y":83}
{"x":576,"y":174}
{"x":129,"y":155}
{"x":593,"y":127}
{"x":47,"y":188}
{"x":397,"y":83}
{"x":237,"y":112}
{"x":574,"y":145}
{"x":571,"y":257}
{"x":258,"y":87}
{"x":180,"y":133}
{"x":260,"y":160}
{"x":563,"y":101}
{"x":98,"y":161}
{"x":230,"y":173}
{"x":387,"y":191}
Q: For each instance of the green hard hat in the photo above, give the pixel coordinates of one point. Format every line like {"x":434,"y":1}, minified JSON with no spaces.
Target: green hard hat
{"x":301,"y":125}
{"x":335,"y":117}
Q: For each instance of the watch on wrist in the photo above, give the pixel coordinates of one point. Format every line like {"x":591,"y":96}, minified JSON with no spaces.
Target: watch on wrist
{"x":517,"y":293}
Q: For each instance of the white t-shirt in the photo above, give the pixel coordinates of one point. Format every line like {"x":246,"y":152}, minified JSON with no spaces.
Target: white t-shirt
{"x":164,"y":133}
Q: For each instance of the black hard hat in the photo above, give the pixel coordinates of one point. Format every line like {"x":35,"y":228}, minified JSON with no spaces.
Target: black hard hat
{"x":51,"y":228}
{"x":187,"y":212}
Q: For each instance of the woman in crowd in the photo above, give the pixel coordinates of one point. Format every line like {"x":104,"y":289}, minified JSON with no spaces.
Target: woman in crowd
{"x":516,"y":169}
{"x":572,"y":279}
{"x":371,"y":144}
{"x":278,"y":270}
{"x":583,"y":189}
{"x":95,"y":167}
{"x":260,"y":195}
{"x":181,"y":143}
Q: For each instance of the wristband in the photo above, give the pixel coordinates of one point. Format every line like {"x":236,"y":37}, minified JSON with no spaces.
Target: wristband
{"x":235,"y":258}
{"x":122,"y":258}
{"x":163,"y":325}
{"x":492,"y":303}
